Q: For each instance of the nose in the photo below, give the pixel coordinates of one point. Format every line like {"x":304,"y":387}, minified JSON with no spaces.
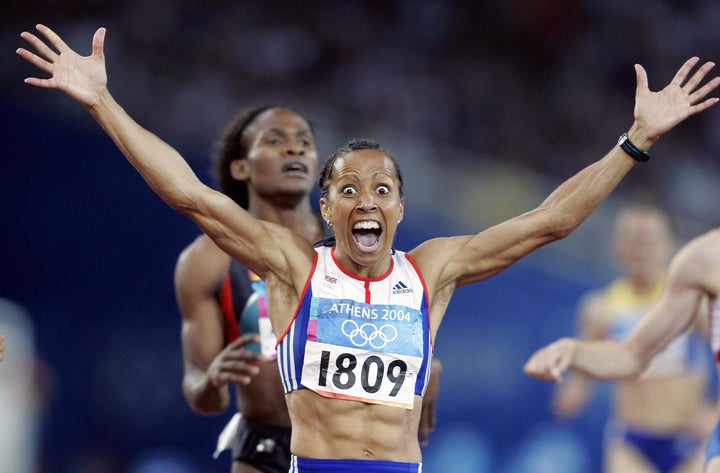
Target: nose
{"x":295,"y":148}
{"x":366,"y":202}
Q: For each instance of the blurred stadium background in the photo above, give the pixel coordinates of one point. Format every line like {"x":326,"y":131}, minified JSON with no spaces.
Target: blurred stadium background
{"x":487,"y":105}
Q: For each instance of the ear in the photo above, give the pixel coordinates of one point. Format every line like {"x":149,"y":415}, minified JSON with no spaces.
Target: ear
{"x":325,"y":209}
{"x":402,"y":209}
{"x":239,"y":169}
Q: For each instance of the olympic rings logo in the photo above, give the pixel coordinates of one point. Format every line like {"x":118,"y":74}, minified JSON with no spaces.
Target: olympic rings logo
{"x":367,"y":333}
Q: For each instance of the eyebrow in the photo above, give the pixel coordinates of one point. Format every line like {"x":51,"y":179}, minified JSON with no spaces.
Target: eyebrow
{"x":383,"y":174}
{"x":355,"y":177}
{"x":282,"y":131}
{"x":352,"y":176}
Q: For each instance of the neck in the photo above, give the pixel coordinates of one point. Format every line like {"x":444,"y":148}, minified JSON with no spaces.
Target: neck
{"x":295,"y":214}
{"x":362,"y":269}
{"x":645,"y":285}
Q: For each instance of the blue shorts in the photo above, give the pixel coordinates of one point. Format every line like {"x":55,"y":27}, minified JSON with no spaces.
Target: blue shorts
{"x":323,"y":465}
{"x":713,"y":444}
{"x":665,"y":452}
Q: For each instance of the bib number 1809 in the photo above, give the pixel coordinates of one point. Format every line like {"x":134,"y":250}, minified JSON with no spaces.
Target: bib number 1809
{"x":372,"y":372}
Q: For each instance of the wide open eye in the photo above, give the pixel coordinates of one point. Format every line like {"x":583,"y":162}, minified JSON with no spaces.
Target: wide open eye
{"x":348,"y":190}
{"x":382,"y":189}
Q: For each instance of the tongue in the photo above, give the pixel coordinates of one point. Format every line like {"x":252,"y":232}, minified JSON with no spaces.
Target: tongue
{"x":366,"y":238}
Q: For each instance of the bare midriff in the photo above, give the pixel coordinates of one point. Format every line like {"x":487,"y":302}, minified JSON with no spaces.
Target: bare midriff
{"x":661,"y":405}
{"x":337,"y":428}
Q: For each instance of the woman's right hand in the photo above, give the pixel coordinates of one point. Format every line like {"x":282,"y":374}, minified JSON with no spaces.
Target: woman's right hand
{"x":236,"y":364}
{"x":83,"y":78}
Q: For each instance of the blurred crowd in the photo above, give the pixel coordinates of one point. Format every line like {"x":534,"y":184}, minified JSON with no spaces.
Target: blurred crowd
{"x":544,"y":84}
{"x":520,"y":91}
{"x":487,"y":105}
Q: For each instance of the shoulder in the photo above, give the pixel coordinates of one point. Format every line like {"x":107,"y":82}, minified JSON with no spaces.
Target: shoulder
{"x":698,"y":263}
{"x":432,"y":256}
{"x":700,"y":252}
{"x":202,"y":260}
{"x":591,"y":307}
{"x":200,"y":250}
{"x":594,"y":297}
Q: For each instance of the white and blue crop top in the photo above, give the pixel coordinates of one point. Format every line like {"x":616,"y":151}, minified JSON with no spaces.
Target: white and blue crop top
{"x":361,"y":339}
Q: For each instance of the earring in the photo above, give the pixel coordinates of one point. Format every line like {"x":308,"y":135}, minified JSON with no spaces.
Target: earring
{"x":329,"y":223}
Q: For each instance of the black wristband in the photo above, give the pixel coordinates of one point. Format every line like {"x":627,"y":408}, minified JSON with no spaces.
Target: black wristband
{"x":633,"y":151}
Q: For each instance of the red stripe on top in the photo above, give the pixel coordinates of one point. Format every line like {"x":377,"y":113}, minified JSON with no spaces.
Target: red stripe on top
{"x":365,"y":280}
{"x":361,"y":278}
{"x":425,"y":291}
{"x":232,"y":330}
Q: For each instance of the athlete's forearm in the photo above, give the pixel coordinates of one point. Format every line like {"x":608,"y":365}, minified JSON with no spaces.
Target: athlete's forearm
{"x":162,"y":167}
{"x":576,"y":198}
{"x":606,"y":359}
{"x":203,"y":396}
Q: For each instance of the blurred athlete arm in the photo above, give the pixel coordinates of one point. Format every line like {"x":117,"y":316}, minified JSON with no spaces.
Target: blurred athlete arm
{"x":571,"y":396}
{"x":209,"y":366}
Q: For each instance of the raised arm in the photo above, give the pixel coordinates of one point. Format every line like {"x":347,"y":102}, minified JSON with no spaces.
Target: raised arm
{"x":689,"y":282}
{"x":462,"y":260}
{"x":85,"y":79}
{"x":655,"y":114}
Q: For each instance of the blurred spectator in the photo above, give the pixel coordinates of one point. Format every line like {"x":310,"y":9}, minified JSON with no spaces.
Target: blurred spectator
{"x":21,"y":396}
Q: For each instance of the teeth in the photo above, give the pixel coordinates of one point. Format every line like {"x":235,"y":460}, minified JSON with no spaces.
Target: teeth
{"x":366,"y":225}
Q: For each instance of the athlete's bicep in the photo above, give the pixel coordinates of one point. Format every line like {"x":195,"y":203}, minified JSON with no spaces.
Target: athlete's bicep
{"x":251,"y":241}
{"x":670,"y":316}
{"x":199,"y":275}
{"x":202,"y":333}
{"x":473,"y":258}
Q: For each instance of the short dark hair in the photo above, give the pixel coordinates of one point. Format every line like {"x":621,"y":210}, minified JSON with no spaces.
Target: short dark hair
{"x":231,"y":146}
{"x":356,"y":144}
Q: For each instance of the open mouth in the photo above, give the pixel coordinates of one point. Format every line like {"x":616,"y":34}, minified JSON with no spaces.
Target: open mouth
{"x":295,"y":167}
{"x":367,"y":233}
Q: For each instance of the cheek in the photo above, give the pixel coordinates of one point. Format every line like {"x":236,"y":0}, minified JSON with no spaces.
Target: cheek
{"x":313,"y":165}
{"x":340,"y":212}
{"x":265,"y":170}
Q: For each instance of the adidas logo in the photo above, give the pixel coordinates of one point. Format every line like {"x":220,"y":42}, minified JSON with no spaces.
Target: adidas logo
{"x":401,"y":288}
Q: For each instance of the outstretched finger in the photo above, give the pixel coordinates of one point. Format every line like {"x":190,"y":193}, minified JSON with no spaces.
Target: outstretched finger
{"x":533,"y":367}
{"x":51,"y":36}
{"x":704,"y":90}
{"x":703,"y":105}
{"x":43,"y":49}
{"x":35,"y":60}
{"x":98,"y":41}
{"x":698,"y":76}
{"x":641,"y":78}
{"x":684,"y":70}
{"x":38,"y":82}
